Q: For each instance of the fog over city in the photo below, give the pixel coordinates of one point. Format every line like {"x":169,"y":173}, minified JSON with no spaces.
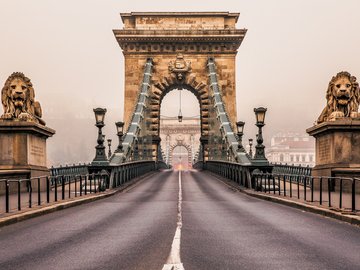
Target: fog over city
{"x":68,"y":50}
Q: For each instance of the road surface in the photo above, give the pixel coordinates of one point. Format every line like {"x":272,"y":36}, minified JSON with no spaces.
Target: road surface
{"x":216,"y":228}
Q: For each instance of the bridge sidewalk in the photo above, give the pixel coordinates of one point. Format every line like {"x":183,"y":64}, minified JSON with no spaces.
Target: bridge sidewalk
{"x":314,"y":207}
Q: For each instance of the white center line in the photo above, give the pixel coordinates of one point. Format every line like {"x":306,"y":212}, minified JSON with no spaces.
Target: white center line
{"x":174,"y":262}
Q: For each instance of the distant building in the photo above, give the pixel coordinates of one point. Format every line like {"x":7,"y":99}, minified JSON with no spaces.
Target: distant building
{"x":180,"y":141}
{"x":293,"y":149}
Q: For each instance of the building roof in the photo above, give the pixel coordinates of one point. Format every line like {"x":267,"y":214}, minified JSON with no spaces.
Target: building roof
{"x":177,"y":14}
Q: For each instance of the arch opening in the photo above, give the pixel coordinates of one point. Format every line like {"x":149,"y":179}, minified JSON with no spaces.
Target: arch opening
{"x":181,"y":158}
{"x":174,"y":134}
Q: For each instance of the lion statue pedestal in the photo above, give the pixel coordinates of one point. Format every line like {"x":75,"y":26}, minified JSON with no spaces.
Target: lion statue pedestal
{"x":23,"y":133}
{"x":337,"y":148}
{"x":23,"y":149}
{"x":337,"y":131}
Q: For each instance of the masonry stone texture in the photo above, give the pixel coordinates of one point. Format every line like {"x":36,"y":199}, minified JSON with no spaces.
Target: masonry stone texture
{"x":162,"y":36}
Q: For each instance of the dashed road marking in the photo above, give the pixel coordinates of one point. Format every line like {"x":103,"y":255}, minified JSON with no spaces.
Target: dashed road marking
{"x":174,"y":261}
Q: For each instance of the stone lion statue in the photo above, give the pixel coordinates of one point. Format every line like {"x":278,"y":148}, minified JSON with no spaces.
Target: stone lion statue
{"x":343,"y":96}
{"x":18,"y":100}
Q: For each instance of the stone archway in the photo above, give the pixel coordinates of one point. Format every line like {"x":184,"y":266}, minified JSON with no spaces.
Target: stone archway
{"x":186,"y":146}
{"x":163,"y":36}
{"x":171,"y":82}
{"x":171,"y":132}
{"x":180,"y":45}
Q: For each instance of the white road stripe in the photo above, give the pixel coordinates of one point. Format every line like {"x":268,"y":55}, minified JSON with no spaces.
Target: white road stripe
{"x":174,"y":262}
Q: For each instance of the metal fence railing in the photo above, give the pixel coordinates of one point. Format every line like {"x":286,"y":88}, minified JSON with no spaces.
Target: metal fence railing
{"x":26,"y":193}
{"x":123,"y":173}
{"x":336,"y":192}
{"x":66,"y":182}
{"x":340,"y":193}
{"x":234,"y":171}
{"x":279,"y":168}
{"x":75,"y":169}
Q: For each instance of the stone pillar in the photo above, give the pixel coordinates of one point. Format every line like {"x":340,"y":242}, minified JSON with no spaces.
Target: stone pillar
{"x":337,"y":148}
{"x":23,"y":150}
{"x":156,"y":143}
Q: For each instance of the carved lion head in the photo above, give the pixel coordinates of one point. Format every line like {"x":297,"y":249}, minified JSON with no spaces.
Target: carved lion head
{"x":343,"y":96}
{"x":343,"y":90}
{"x":17,"y":96}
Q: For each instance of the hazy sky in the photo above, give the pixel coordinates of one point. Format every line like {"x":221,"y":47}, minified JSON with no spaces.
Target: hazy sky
{"x":67,"y":48}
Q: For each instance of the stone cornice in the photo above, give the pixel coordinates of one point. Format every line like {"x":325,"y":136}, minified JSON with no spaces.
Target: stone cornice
{"x":342,"y":124}
{"x":169,"y":41}
{"x":201,"y":35}
{"x":26,"y":127}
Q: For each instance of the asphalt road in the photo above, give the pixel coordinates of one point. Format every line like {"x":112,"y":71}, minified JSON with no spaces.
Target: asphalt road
{"x":221,"y":229}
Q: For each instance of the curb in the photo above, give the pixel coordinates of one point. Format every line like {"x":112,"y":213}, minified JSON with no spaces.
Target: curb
{"x":351,"y":219}
{"x":67,"y":204}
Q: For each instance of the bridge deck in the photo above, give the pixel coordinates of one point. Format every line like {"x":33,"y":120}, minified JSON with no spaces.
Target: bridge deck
{"x":221,"y":229}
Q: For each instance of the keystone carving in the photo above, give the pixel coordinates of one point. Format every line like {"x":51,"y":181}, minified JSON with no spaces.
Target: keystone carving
{"x":18,"y":100}
{"x":180,"y":67}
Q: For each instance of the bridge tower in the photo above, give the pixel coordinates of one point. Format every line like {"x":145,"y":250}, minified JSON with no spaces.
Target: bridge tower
{"x":179,"y":44}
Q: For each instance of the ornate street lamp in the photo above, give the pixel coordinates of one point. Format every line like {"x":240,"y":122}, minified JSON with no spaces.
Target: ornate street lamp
{"x":260,"y":122}
{"x":99,"y":115}
{"x":120,"y":133}
{"x":100,"y":156}
{"x":260,"y":115}
{"x":240,"y":132}
{"x":250,"y":150}
{"x":109,"y":145}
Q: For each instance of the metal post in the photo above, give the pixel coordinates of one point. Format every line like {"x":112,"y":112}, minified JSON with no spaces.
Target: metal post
{"x":75,"y":185}
{"x":96,"y":177}
{"x":30,"y":194}
{"x":56,"y":182}
{"x":19,"y":194}
{"x":340,"y":195}
{"x":69,"y":183}
{"x":7,"y":196}
{"x":47,"y":189}
{"x":38,"y":186}
{"x":304,"y":177}
{"x":353,"y":195}
{"x":312,"y":188}
{"x":63,"y":187}
{"x":320,"y":190}
{"x":279,"y":182}
{"x":81,"y":185}
{"x":86,"y":178}
{"x":298,"y":186}
{"x":329,"y":191}
{"x":91,"y":180}
{"x":273,"y":181}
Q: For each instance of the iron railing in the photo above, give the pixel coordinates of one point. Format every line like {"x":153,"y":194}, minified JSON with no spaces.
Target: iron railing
{"x":337,"y":192}
{"x":342,"y":193}
{"x":279,"y":168}
{"x":74,"y":169}
{"x":234,"y":171}
{"x":75,"y":181}
{"x":123,"y":173}
{"x":39,"y":190}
